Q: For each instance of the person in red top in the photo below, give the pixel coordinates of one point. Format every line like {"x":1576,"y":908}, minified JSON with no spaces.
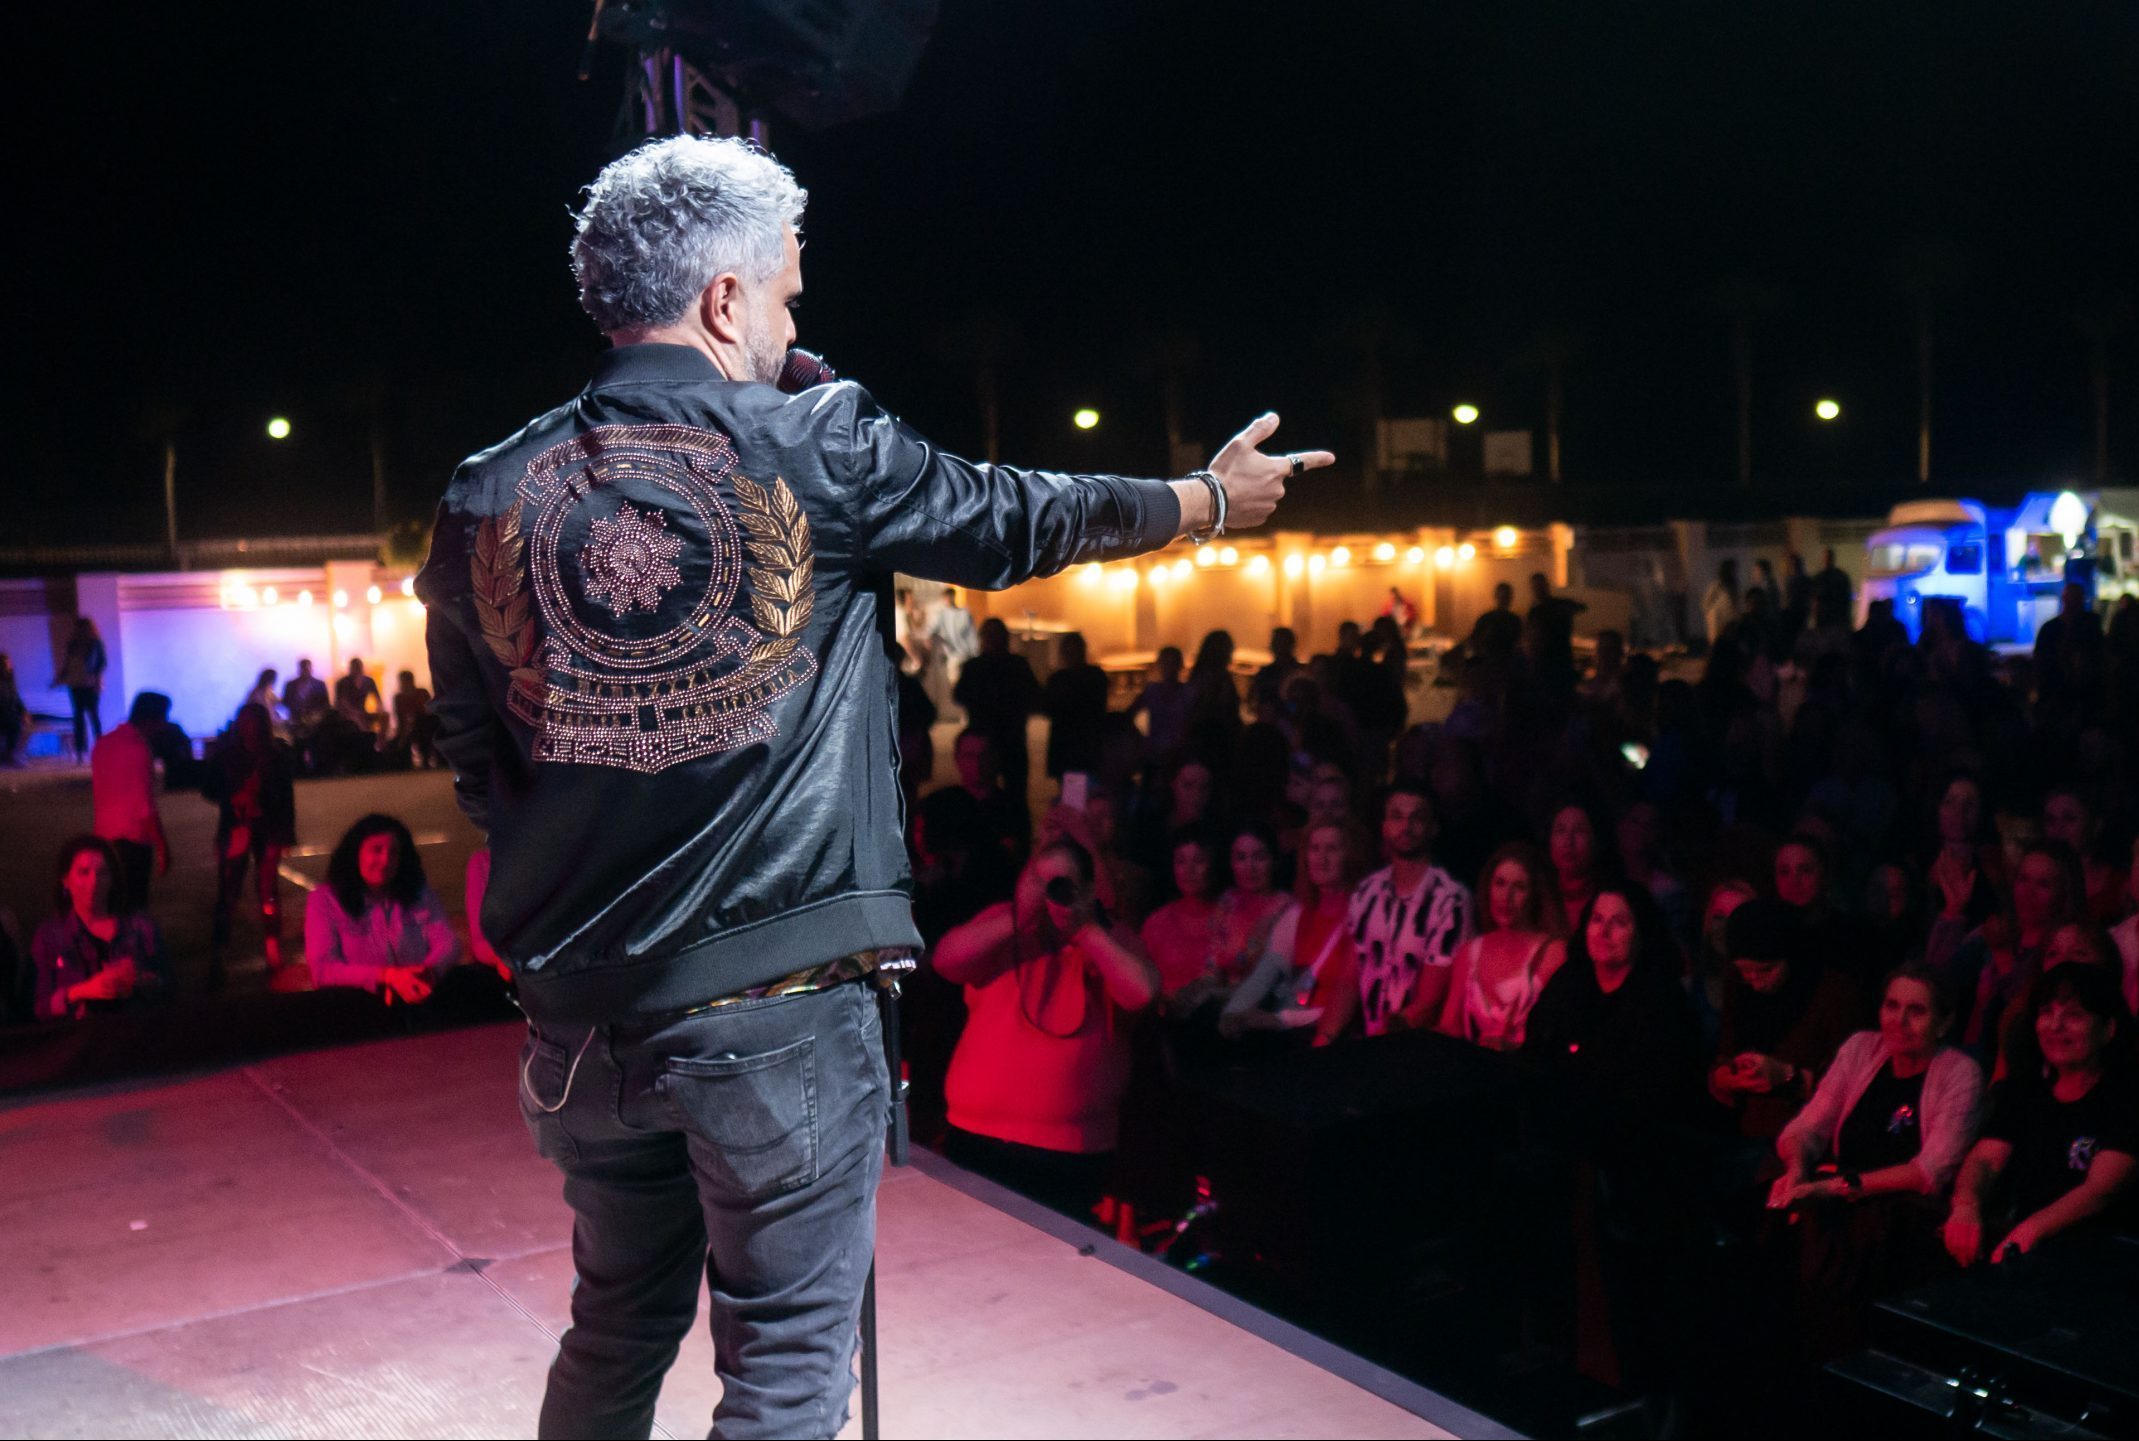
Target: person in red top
{"x":1307,"y":976}
{"x":1052,"y":988}
{"x":122,"y":783}
{"x":1177,"y":936}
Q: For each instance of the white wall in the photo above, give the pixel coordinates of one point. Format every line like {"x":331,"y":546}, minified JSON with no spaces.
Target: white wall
{"x":205,"y":660}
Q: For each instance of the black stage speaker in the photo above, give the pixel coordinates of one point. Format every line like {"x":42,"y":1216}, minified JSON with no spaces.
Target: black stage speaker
{"x":2042,"y":1345}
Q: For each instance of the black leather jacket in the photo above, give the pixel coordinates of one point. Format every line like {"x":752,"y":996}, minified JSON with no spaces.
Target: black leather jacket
{"x":656,"y":623}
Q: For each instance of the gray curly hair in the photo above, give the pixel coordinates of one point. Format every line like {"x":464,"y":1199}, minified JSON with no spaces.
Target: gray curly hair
{"x":663,"y":221}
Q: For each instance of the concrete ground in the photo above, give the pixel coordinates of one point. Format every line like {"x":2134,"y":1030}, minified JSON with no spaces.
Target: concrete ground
{"x":362,"y":1242}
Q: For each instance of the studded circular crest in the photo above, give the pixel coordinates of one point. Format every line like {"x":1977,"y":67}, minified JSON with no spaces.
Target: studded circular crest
{"x":653,"y":649}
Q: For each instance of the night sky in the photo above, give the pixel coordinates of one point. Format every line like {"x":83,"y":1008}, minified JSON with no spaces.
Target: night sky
{"x":357,"y":216}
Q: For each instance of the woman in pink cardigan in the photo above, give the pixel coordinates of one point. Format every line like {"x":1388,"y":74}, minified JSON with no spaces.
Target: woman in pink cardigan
{"x":1870,"y":1158}
{"x":377,"y":924}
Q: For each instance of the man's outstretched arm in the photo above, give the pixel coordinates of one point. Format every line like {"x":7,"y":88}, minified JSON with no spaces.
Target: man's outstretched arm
{"x":928,"y":513}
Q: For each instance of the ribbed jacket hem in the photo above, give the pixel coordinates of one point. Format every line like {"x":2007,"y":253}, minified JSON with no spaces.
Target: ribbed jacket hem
{"x":735,"y":960}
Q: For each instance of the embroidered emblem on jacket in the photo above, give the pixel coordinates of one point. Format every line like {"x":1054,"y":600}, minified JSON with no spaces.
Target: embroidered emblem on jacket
{"x":645,"y":622}
{"x":628,"y":562}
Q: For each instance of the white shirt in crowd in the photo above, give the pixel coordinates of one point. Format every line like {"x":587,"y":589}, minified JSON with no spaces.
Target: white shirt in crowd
{"x":1396,"y":935}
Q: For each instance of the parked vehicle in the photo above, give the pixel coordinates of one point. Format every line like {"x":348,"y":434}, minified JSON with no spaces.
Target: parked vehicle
{"x":2005,"y":568}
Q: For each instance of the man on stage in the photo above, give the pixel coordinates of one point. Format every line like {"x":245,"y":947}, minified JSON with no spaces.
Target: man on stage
{"x":654,"y":621}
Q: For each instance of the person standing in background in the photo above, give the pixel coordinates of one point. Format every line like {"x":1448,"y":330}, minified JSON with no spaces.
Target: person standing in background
{"x":263,"y":694}
{"x":414,"y":726}
{"x":81,"y":671}
{"x":356,"y":695}
{"x":1164,"y":705}
{"x":252,"y":778}
{"x":1719,"y":607}
{"x":14,"y":715}
{"x":1833,"y":595}
{"x":998,"y":692}
{"x":1075,"y":700}
{"x":951,"y":639}
{"x":122,"y":785}
{"x":304,"y":697}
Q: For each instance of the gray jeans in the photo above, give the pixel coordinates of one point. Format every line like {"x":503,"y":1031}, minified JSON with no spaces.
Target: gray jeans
{"x":744,"y":1145}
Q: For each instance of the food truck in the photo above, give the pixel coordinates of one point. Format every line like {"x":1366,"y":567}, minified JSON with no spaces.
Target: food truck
{"x":2005,"y":568}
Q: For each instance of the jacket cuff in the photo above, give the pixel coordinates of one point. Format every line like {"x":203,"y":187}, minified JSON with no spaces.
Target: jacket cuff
{"x":1152,"y":512}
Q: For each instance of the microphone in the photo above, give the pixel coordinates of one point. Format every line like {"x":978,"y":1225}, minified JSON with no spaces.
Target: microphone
{"x":804,"y":370}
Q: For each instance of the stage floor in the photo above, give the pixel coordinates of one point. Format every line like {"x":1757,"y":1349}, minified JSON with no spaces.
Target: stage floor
{"x":361,"y":1242}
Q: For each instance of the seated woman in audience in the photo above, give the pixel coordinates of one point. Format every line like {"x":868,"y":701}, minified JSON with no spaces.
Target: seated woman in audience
{"x":1895,"y":1112}
{"x":377,"y":924}
{"x":2063,"y":1138}
{"x":1614,"y":1021}
{"x":1642,"y":860}
{"x":1892,"y":910}
{"x":1967,"y":868}
{"x":1498,"y":974}
{"x":1306,"y":977}
{"x":1615,"y":1035}
{"x":1708,"y":968}
{"x":1035,"y":1087}
{"x":2081,"y":943}
{"x":1185,"y":800}
{"x":1571,"y":840}
{"x":1843,"y":942}
{"x":1252,"y":906}
{"x":1177,"y":936}
{"x":1992,"y":967}
{"x":1785,"y":1015}
{"x":1241,"y":924}
{"x":91,"y":957}
{"x":1867,"y":1160}
{"x":2070,"y":818}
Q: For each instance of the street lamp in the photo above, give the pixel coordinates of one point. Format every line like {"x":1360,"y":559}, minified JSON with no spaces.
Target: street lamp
{"x":1827,"y":409}
{"x":1465,"y":414}
{"x":1085,"y":419}
{"x":278,"y":428}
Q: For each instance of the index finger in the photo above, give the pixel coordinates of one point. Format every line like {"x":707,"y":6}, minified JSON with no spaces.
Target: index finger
{"x":1313,"y":459}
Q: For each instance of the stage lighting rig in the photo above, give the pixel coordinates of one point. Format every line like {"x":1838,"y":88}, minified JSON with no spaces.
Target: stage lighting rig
{"x":727,"y":67}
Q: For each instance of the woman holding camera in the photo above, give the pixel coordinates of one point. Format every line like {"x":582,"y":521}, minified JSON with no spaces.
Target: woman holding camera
{"x":1052,"y":986}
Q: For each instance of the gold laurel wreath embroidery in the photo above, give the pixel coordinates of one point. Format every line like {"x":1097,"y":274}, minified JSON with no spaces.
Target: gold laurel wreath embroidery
{"x":502,"y":605}
{"x":782,"y":585}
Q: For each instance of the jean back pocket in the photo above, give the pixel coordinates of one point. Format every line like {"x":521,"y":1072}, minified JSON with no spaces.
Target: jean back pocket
{"x":752,"y":1120}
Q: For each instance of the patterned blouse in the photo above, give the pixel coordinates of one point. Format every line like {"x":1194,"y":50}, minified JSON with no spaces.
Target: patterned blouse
{"x":1395,"y":936}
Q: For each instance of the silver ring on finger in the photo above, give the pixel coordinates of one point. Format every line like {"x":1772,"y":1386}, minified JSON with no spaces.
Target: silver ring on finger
{"x":1294,"y":462}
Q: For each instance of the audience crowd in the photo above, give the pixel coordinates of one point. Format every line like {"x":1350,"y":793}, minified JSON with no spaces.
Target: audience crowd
{"x":1825,"y":943}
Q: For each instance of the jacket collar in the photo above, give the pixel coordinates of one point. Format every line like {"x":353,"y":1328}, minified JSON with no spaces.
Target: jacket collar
{"x":641,"y":364}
